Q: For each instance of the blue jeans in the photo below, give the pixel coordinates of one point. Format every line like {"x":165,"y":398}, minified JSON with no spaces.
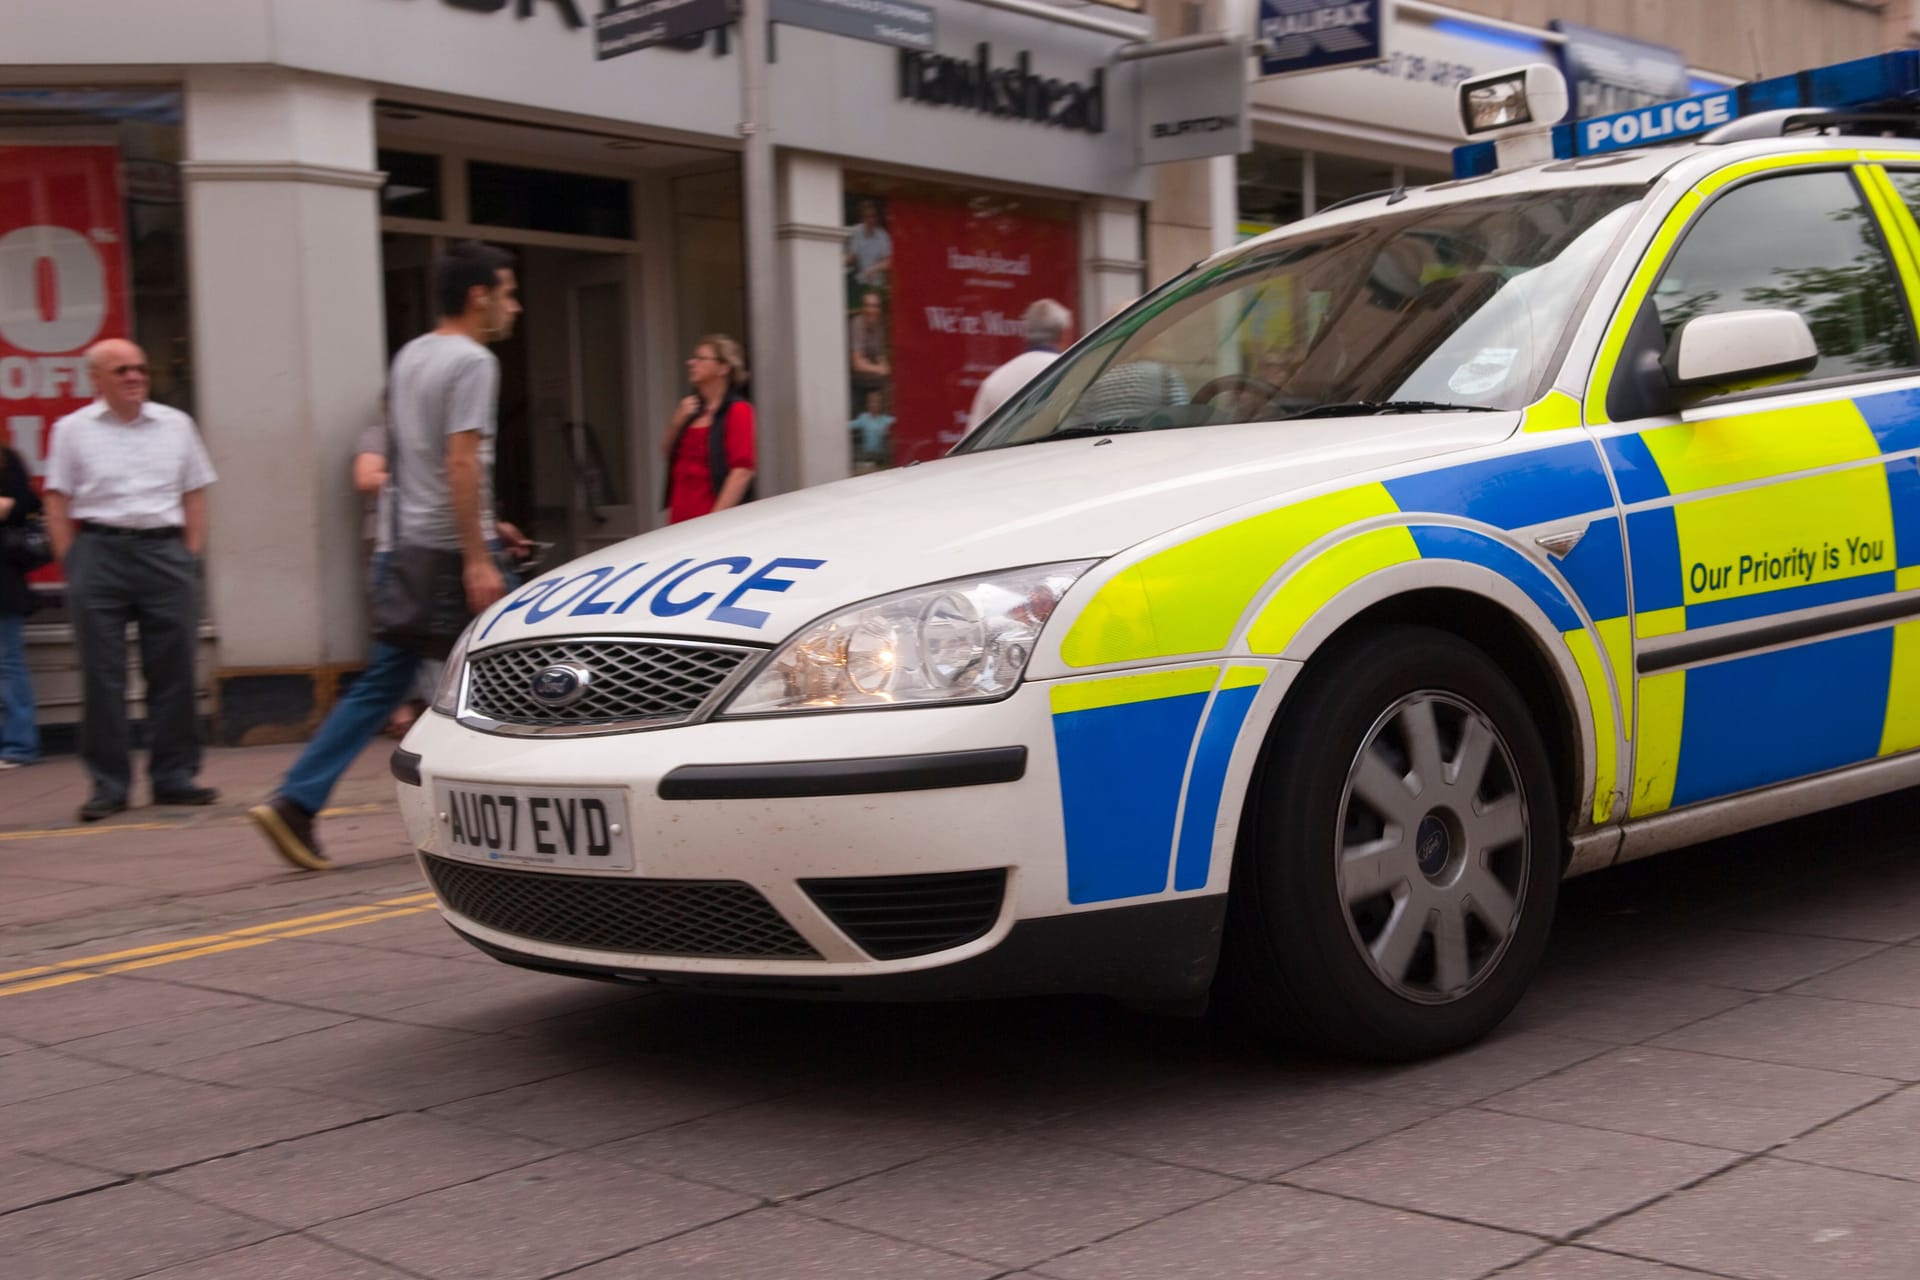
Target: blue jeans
{"x":19,"y":735}
{"x":357,"y":718}
{"x":354,"y":721}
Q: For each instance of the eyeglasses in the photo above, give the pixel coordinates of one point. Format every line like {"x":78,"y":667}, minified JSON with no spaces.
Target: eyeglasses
{"x":122,"y":370}
{"x":709,"y":359}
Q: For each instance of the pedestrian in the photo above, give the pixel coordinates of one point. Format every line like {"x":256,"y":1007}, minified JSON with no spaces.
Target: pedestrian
{"x":441,"y":393}
{"x":19,"y":730}
{"x":126,"y":505}
{"x":1046,"y":325}
{"x":709,"y":447}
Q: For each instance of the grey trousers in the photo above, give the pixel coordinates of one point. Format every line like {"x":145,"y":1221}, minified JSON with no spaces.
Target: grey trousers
{"x":154,"y":583}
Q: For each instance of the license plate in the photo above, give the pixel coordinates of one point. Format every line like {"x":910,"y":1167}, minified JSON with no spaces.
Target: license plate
{"x":578,"y":828}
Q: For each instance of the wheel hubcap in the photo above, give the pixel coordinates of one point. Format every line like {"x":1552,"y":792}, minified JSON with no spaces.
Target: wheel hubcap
{"x":1433,"y":850}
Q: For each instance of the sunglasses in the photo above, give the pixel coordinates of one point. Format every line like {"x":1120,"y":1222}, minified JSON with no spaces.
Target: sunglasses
{"x":122,"y":370}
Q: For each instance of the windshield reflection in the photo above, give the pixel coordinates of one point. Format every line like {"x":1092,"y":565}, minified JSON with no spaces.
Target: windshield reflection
{"x":1457,"y":306}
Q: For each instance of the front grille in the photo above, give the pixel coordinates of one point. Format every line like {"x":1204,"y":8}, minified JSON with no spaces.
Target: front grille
{"x":714,"y":918}
{"x":638,"y":683}
{"x":895,"y":916}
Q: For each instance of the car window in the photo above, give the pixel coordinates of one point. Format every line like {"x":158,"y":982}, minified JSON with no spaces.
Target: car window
{"x":1806,"y":242}
{"x":1461,"y":304}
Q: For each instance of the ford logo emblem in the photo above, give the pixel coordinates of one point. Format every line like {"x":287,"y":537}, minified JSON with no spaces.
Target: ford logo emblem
{"x":561,"y":685}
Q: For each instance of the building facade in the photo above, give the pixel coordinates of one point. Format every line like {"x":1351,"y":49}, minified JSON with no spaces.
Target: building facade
{"x":1326,"y":136}
{"x":254,"y":190}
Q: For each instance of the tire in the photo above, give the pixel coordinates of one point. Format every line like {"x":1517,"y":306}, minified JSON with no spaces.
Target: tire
{"x":1375,"y":914}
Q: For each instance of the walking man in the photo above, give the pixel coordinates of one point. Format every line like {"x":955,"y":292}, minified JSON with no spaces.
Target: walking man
{"x":441,"y":417}
{"x":126,"y":506}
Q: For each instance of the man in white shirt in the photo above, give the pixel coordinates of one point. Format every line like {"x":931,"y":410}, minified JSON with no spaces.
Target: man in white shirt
{"x":1047,"y":324}
{"x":126,"y":506}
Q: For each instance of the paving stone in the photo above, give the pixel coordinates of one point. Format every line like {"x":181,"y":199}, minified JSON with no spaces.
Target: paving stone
{"x":1503,"y":1061}
{"x":55,"y":1015}
{"x":604,"y":1104}
{"x":1834,"y":1035}
{"x":115,"y":1233}
{"x":1687,"y":951}
{"x":1776,"y":1220}
{"x":1591,"y":1264}
{"x":508,"y":999}
{"x":1692,"y":1097}
{"x":794,"y":1145}
{"x":203,"y":1033}
{"x":285,"y":1258}
{"x":40,"y":1072}
{"x":1015,"y":1200}
{"x":1616,"y":1010}
{"x":149,"y":1123}
{"x":533,"y":1221}
{"x":1891,"y":977}
{"x":776,"y":1244}
{"x":348,"y":1171}
{"x":1883,"y":1138}
{"x":1261,"y":1233}
{"x":348,"y":979}
{"x":26,"y":1180}
{"x":1512,"y":1172}
{"x":1876,"y":906}
{"x":396,"y":1067}
{"x":1246,"y":1124}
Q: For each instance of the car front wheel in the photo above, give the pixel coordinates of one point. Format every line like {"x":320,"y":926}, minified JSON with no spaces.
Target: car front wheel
{"x":1397,"y":873}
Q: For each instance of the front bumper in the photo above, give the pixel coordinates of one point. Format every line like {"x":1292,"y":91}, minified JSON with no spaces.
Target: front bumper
{"x":1160,"y":953}
{"x":765,"y":812}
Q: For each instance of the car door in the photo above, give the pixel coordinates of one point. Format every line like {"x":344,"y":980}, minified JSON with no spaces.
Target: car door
{"x":1764,"y":528}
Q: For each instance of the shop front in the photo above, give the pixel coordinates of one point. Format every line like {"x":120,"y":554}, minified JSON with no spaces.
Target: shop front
{"x":254,"y":191}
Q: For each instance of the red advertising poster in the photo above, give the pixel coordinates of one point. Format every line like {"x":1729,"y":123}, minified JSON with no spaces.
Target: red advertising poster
{"x":63,"y":286}
{"x":964,"y":272}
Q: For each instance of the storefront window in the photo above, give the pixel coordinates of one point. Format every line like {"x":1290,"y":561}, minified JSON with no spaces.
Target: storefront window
{"x":505,"y":195}
{"x":1337,"y":178}
{"x":937,"y":280}
{"x":1272,"y":188}
{"x":92,"y":245}
{"x":412,"y":188}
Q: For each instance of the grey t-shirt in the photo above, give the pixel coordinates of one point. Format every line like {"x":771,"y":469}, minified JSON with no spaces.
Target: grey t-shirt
{"x":441,"y":384}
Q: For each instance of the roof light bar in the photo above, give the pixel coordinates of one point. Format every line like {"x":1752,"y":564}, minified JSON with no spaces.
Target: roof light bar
{"x":1882,"y":80}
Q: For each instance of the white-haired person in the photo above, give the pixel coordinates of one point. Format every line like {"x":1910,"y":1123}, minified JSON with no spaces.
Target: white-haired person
{"x":1046,"y":325}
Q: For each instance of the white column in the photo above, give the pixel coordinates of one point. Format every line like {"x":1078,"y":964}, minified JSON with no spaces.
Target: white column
{"x":813,"y":240}
{"x":284,"y":238}
{"x":1112,"y":268}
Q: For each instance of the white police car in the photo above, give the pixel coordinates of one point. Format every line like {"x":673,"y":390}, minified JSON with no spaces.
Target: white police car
{"x":1293,"y":635}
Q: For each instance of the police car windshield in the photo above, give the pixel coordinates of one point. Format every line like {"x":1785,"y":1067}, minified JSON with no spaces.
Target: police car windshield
{"x":1462,"y":304}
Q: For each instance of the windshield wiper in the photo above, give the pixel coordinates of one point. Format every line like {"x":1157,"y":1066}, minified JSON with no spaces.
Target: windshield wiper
{"x":1363,"y":408}
{"x":1113,"y":426}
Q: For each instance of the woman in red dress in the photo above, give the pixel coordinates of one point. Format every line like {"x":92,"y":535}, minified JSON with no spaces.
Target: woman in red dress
{"x":710,"y":444}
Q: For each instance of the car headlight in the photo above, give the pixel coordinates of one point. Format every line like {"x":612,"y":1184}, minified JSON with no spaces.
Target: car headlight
{"x":967,"y":640}
{"x":446,"y":698}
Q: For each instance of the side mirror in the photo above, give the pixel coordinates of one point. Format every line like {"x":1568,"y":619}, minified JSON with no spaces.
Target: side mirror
{"x":1737,"y":350}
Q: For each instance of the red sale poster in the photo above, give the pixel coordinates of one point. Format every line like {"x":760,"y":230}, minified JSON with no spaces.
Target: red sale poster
{"x":63,"y":286}
{"x":964,"y":272}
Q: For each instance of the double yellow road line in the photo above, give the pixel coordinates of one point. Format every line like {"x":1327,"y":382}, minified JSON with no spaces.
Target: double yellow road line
{"x":40,"y":977}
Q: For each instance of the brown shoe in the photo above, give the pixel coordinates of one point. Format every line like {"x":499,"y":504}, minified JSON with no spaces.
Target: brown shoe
{"x":291,"y":829}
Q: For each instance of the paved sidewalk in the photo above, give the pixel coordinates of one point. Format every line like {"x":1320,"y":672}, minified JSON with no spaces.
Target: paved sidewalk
{"x":260,"y":1073}
{"x":63,"y":882}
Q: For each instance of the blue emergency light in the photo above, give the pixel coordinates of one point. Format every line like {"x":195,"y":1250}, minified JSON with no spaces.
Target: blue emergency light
{"x":1889,"y":80}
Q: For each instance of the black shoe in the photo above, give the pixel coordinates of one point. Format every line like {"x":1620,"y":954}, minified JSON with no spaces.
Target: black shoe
{"x":291,"y":829}
{"x":98,"y":807}
{"x":188,"y":794}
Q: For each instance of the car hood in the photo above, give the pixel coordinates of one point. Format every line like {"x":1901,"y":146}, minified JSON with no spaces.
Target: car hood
{"x":758,"y":572}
